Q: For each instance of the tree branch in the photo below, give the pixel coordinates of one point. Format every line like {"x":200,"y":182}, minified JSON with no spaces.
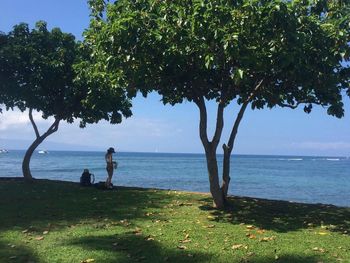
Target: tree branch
{"x":37,"y":134}
{"x":219,"y":124}
{"x":239,"y":117}
{"x":203,"y":120}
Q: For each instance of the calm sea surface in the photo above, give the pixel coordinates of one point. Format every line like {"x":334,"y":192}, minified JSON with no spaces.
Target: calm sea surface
{"x":302,"y":179}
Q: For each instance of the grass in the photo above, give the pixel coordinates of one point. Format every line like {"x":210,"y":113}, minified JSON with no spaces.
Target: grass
{"x":50,"y":221}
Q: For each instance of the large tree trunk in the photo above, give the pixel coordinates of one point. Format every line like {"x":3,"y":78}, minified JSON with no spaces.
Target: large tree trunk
{"x":213,"y":173}
{"x":26,"y":161}
{"x":39,"y":139}
{"x":210,"y":150}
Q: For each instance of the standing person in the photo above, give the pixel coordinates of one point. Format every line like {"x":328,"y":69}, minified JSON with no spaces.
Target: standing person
{"x":110,"y":166}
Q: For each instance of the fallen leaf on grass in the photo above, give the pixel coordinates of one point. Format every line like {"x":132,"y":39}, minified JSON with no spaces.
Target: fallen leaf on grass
{"x":251,"y":236}
{"x":88,"y":260}
{"x":322,"y":233}
{"x":265,"y":239}
{"x":318,"y":249}
{"x":238,"y":246}
{"x":260,"y":231}
{"x":45,"y":232}
{"x":210,"y":226}
{"x":210,"y":217}
{"x":25,"y":231}
{"x":250,"y":227}
{"x":39,"y":238}
{"x":181,"y":247}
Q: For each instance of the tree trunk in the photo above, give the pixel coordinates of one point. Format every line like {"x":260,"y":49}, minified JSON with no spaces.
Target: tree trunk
{"x":226,"y":172}
{"x":39,"y":139}
{"x":26,"y":161}
{"x":213,"y":173}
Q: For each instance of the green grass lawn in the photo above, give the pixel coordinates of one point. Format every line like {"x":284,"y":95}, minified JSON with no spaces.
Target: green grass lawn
{"x":51,"y":221}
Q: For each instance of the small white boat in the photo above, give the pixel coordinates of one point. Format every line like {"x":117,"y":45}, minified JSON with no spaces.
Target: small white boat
{"x":43,"y":152}
{"x":3,"y":151}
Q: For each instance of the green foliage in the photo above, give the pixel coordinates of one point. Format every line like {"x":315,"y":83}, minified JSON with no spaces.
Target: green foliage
{"x":37,"y":71}
{"x":222,"y":50}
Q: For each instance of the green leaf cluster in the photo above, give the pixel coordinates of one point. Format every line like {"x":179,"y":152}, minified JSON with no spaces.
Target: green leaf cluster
{"x":221,"y":50}
{"x":43,"y":70}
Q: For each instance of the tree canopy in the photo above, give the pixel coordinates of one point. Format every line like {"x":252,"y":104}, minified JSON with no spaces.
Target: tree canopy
{"x":42,"y":70}
{"x":259,"y":53}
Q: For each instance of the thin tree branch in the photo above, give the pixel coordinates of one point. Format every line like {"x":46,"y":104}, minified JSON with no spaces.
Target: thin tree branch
{"x":240,"y":116}
{"x":37,"y":134}
{"x":219,"y":124}
{"x":203,"y":120}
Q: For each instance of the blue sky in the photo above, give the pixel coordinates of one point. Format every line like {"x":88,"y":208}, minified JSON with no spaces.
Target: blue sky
{"x":155,"y":127}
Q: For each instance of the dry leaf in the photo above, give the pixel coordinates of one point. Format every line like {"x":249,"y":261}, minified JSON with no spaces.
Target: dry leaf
{"x":251,"y":236}
{"x":39,"y":238}
{"x":265,"y":239}
{"x":182,"y":247}
{"x":45,"y":232}
{"x":318,"y":249}
{"x":88,"y":260}
{"x":260,"y":231}
{"x":210,"y":226}
{"x":25,"y":231}
{"x":238,"y":246}
{"x":250,"y":227}
{"x":210,"y":217}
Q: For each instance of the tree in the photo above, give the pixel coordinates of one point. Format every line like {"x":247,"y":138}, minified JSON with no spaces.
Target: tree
{"x":42,"y":70}
{"x":249,"y":52}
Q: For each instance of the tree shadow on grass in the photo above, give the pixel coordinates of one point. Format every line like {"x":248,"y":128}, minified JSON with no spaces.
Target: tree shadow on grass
{"x":129,"y":247}
{"x":50,"y":203}
{"x":16,"y":253}
{"x":282,"y":216}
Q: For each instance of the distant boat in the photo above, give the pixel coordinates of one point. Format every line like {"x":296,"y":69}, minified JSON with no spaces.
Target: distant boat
{"x":3,"y":151}
{"x":43,"y":152}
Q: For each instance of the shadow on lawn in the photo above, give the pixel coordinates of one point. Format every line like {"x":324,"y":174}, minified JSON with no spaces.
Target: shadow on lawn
{"x":49,"y":203}
{"x":130,"y":248}
{"x":136,"y":248}
{"x":16,"y":253}
{"x":282,"y":216}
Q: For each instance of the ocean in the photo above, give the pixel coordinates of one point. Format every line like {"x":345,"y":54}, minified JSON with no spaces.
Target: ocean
{"x":292,"y":178}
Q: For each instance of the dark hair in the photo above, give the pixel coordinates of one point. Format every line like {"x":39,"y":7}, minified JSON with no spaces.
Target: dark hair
{"x":111,"y":150}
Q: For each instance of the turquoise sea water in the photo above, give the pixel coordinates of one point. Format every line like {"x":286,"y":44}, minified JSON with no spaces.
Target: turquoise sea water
{"x":302,"y":179}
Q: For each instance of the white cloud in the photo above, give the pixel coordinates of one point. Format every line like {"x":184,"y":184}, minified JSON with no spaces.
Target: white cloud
{"x":18,"y":119}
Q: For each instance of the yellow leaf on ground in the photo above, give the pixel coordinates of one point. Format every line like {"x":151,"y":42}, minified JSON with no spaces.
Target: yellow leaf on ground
{"x":265,"y":239}
{"x":238,"y":246}
{"x":250,"y":227}
{"x":318,"y":249}
{"x":88,"y":260}
{"x":251,"y":236}
{"x":322,"y":233}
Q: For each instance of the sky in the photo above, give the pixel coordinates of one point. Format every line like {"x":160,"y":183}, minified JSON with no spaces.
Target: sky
{"x":158,"y":128}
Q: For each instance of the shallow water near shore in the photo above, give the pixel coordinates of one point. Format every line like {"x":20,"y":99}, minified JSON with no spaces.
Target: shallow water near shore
{"x":292,"y":178}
